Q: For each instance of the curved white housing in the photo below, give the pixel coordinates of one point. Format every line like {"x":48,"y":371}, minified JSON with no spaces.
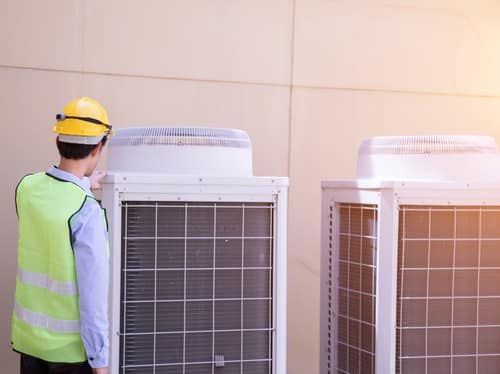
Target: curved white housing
{"x":431,"y":158}
{"x":181,"y":151}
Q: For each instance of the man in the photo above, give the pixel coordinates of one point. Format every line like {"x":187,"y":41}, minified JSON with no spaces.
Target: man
{"x":60,"y":318}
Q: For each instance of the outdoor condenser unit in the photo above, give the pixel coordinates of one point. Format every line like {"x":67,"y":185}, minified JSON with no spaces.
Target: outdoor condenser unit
{"x":198,"y":254}
{"x":410,"y":278}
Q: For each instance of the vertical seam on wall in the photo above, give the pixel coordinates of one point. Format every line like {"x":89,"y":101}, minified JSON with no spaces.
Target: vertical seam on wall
{"x":82,"y":9}
{"x":290,"y":98}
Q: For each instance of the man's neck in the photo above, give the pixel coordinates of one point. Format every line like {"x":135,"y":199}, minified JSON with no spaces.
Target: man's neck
{"x":75,"y":167}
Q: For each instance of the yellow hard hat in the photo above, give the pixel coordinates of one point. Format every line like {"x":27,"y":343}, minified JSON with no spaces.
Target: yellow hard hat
{"x":83,"y":121}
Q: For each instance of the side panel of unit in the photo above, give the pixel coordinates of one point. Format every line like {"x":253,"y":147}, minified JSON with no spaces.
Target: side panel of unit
{"x":111,"y":202}
{"x":349,"y":281}
{"x":328,"y":296}
{"x":387,"y":262}
{"x":280,"y":283}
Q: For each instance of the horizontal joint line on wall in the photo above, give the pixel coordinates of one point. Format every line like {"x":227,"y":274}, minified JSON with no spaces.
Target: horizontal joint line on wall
{"x":289,"y":85}
{"x":395,"y":91}
{"x":143,"y":76}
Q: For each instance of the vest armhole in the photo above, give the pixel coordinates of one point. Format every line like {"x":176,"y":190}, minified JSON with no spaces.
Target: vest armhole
{"x":71,"y":217}
{"x":106,"y":219}
{"x":17,"y":189}
{"x":103,"y":211}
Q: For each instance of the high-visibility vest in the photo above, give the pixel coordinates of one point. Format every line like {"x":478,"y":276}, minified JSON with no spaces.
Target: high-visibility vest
{"x":46,"y":318}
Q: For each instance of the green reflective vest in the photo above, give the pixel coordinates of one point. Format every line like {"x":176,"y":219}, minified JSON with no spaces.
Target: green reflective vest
{"x":46,"y":318}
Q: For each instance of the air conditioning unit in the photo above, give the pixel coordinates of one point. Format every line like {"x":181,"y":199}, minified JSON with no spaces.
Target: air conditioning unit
{"x":198,"y":254}
{"x":410,"y":278}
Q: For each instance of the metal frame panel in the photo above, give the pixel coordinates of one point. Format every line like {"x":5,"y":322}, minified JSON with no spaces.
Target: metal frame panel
{"x":389,"y":196}
{"x":122,"y":187}
{"x":452,"y":195}
{"x":111,"y":202}
{"x":387,"y":262}
{"x":328,"y":293}
{"x":325,"y":286}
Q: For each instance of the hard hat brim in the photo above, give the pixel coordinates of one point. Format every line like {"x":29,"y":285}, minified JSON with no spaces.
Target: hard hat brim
{"x":90,"y":140}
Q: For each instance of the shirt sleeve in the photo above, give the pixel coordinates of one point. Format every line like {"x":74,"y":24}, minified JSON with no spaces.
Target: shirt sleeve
{"x":90,"y":246}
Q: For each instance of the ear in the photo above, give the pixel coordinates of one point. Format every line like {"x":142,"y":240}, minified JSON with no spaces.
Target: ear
{"x":96,"y":150}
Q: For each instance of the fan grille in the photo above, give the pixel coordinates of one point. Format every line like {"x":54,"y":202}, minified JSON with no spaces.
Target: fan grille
{"x":197,"y":288}
{"x":181,"y":136}
{"x":437,"y":144}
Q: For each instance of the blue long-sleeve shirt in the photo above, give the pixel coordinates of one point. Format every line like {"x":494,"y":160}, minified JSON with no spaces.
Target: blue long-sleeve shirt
{"x":89,"y":236}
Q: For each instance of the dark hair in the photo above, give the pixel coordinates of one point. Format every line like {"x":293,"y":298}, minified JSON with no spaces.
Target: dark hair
{"x":77,"y":151}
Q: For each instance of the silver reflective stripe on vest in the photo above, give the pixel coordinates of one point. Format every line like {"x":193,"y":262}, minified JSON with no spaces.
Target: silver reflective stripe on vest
{"x":44,"y":281}
{"x":46,"y":322}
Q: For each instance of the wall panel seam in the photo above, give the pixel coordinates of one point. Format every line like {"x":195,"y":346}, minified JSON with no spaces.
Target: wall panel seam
{"x":139,"y":76}
{"x":290,"y":99}
{"x":289,"y":86}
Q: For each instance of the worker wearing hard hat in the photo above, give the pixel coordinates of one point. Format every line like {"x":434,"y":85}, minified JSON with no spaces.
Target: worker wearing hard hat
{"x":60,"y":318}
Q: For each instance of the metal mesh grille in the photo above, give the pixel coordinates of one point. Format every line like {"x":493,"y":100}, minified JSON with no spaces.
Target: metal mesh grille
{"x":197,"y":288}
{"x":448,"y":290}
{"x":180,"y":136}
{"x":430,"y":144}
{"x":356,"y":288}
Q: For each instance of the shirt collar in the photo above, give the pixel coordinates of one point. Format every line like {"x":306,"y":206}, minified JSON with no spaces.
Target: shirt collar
{"x":84,"y":183}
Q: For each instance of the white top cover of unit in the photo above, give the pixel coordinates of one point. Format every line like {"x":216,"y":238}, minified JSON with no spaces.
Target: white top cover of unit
{"x":429,"y":158}
{"x":181,"y":151}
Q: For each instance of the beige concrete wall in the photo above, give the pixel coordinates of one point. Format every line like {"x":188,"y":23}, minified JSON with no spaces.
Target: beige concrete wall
{"x":308,"y":79}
